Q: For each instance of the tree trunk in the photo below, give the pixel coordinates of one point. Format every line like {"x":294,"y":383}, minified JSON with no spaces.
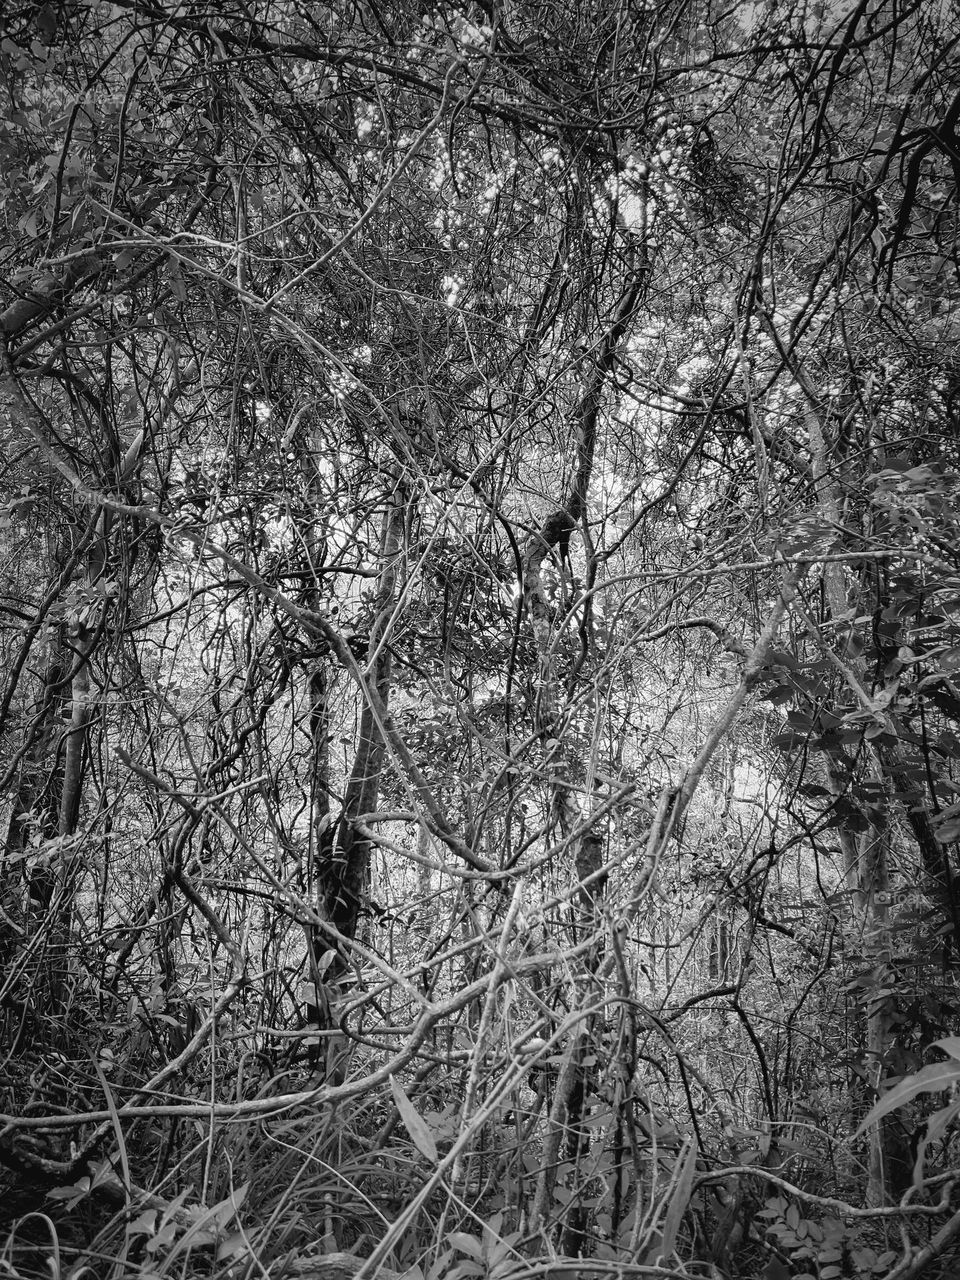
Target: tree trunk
{"x":343,"y":866}
{"x":570,"y":1106}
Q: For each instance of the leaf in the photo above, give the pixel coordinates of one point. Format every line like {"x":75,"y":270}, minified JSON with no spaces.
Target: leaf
{"x":934,"y":1129}
{"x":46,"y":21}
{"x":72,"y":1194}
{"x":144,"y":1224}
{"x":225,"y":1210}
{"x":939,"y":1075}
{"x":679,"y":1200}
{"x":467,"y":1269}
{"x":491,"y":1231}
{"x":163,"y":1239}
{"x":176,"y":282}
{"x":776,"y":1270}
{"x":779,"y":694}
{"x":417,"y":1127}
{"x":232,"y":1246}
{"x":466,"y":1243}
{"x":950,"y":1045}
{"x":439,"y":1266}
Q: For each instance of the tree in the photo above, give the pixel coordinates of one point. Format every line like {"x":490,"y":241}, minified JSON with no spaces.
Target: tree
{"x":478,"y":600}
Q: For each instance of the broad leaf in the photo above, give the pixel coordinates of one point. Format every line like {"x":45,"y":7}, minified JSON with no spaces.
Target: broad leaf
{"x":949,"y":1045}
{"x":417,"y":1127}
{"x":939,"y":1075}
{"x":466,"y":1243}
{"x":679,"y":1201}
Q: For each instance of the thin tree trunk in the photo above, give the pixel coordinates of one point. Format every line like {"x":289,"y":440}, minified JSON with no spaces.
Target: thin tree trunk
{"x":345,"y":876}
{"x":865,"y":858}
{"x":343,"y":865}
{"x":570,"y":1107}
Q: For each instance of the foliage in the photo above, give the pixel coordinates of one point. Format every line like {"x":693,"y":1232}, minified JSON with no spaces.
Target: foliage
{"x":479,"y":588}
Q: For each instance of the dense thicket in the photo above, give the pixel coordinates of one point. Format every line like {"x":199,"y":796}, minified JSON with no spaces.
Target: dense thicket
{"x":480,"y":611}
